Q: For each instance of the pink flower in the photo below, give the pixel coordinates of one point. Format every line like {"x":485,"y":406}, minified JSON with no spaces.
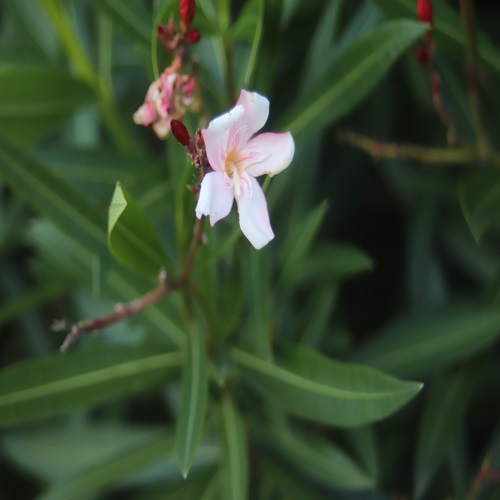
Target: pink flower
{"x":166,"y":99}
{"x":236,"y":159}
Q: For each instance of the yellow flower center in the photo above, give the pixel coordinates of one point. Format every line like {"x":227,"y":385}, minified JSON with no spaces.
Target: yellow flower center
{"x":231,"y":167}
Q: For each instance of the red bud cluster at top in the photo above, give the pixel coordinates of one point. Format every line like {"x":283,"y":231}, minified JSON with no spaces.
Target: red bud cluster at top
{"x":425,"y":11}
{"x":174,"y":38}
{"x":188,"y":10}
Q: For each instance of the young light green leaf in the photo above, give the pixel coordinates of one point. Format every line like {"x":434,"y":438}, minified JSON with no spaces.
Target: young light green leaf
{"x":355,"y":73}
{"x":121,"y":465}
{"x":479,"y":194}
{"x":234,"y":481}
{"x":194,"y":393}
{"x":34,"y":101}
{"x":131,"y":237}
{"x":444,"y":409}
{"x":56,"y":384}
{"x":418,"y":345}
{"x":320,"y":460}
{"x":320,"y":389}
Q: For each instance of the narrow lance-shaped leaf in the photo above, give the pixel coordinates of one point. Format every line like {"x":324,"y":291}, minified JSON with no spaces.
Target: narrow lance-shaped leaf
{"x":320,"y":460}
{"x":480,"y":201}
{"x":130,"y":16}
{"x":131,"y":237}
{"x":444,"y":410}
{"x":234,"y":480}
{"x":355,"y":73}
{"x":312,"y":386}
{"x":52,"y":197}
{"x":134,"y":459}
{"x":34,"y":101}
{"x":56,"y":384}
{"x":194,"y":393}
{"x":416,"y":346}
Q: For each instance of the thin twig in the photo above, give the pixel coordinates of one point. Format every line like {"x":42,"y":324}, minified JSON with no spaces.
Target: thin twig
{"x":125,"y":310}
{"x":394,"y":151}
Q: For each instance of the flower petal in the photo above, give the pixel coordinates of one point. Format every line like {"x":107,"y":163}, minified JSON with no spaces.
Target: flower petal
{"x":216,"y":197}
{"x":216,"y":137}
{"x":254,"y":216}
{"x":256,"y":112}
{"x":269,"y":153}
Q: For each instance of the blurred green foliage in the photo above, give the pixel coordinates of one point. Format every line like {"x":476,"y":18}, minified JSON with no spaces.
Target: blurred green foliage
{"x":280,"y":373}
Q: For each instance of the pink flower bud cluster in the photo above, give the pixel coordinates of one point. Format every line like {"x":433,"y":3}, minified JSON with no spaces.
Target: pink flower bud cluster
{"x":166,"y":100}
{"x":169,"y":95}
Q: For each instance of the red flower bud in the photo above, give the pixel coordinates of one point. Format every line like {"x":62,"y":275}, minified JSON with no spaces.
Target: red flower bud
{"x":422,"y":55}
{"x":180,"y":132}
{"x":194,"y":36}
{"x":424,"y":10}
{"x":188,"y":10}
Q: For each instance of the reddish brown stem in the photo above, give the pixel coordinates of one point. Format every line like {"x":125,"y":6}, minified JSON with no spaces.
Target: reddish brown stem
{"x":125,"y":310}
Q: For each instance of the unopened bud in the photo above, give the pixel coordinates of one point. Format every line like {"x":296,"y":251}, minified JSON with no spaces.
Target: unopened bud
{"x":424,"y":10}
{"x":180,"y":132}
{"x":194,"y":36}
{"x":188,"y":10}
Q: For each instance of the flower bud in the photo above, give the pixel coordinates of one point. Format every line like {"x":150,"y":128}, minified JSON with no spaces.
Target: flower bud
{"x":180,"y":132}
{"x":194,"y":36}
{"x":188,"y":10}
{"x":424,"y":10}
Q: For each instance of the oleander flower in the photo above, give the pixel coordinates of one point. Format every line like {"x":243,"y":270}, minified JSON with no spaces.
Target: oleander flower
{"x":166,"y":99}
{"x":237,"y":159}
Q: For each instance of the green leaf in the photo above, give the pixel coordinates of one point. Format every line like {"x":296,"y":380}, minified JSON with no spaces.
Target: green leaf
{"x":333,"y":262}
{"x":121,"y":465}
{"x":447,"y":27}
{"x":55,"y":384}
{"x":320,"y":389}
{"x":34,"y":101}
{"x":130,"y":17}
{"x":320,"y":460}
{"x":321,"y":45}
{"x":479,"y":194}
{"x":248,"y":27}
{"x":194,"y":393}
{"x":418,"y":345}
{"x":51,"y":196}
{"x":355,"y":74}
{"x":299,"y":241}
{"x":234,"y":480}
{"x":131,"y":237}
{"x":55,"y":453}
{"x":444,"y":411}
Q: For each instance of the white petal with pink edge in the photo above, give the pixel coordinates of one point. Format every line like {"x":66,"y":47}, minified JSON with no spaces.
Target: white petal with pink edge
{"x":254,"y":216}
{"x":272,"y":152}
{"x":216,"y":197}
{"x":256,"y":112}
{"x":217,"y":134}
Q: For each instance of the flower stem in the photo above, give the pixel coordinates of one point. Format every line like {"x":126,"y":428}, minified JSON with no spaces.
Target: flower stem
{"x":469,"y":21}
